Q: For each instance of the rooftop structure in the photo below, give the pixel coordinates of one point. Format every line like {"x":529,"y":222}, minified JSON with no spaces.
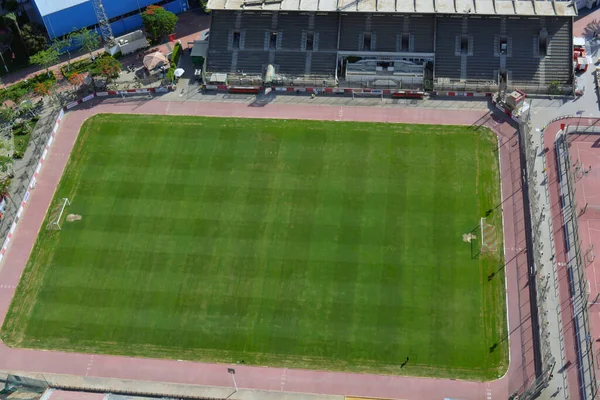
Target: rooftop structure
{"x":471,"y":7}
{"x":47,"y":7}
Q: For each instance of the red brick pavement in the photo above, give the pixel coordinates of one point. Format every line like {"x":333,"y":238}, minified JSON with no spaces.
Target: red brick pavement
{"x":521,"y":365}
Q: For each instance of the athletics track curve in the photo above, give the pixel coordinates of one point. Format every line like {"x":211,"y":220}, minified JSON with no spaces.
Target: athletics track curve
{"x":519,"y":375}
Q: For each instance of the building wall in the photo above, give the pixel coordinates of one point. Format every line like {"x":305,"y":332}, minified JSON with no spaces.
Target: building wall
{"x":82,"y":15}
{"x":467,"y":48}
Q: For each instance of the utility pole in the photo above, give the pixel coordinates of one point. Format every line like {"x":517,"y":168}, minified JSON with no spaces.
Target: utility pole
{"x":232,"y":372}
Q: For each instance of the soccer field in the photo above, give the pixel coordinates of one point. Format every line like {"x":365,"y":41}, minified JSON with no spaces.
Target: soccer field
{"x":308,"y":244}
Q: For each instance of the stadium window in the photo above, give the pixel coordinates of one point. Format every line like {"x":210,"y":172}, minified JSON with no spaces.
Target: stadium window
{"x":543,"y":44}
{"x":236,"y":40}
{"x":367,"y":41}
{"x":273,"y":41}
{"x":503,"y":45}
{"x":310,"y":41}
{"x":464,"y":44}
{"x":405,"y":42}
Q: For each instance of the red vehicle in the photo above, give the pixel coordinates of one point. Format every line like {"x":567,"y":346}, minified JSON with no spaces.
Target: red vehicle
{"x":580,"y":61}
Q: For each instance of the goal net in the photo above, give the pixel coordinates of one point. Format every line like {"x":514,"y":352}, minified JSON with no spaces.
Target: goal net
{"x":372,"y":93}
{"x":56,"y":214}
{"x":489,"y":237}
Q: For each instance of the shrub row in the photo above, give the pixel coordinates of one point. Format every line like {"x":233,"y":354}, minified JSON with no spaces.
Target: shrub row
{"x":174,"y":60}
{"x":77,"y":67}
{"x":20,"y":90}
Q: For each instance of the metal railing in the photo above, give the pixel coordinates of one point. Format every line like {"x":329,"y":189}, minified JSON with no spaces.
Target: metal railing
{"x":540,"y":283}
{"x":576,"y":267}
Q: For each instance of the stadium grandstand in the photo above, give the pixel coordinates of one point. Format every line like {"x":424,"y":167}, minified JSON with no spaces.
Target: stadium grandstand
{"x":462,"y":45}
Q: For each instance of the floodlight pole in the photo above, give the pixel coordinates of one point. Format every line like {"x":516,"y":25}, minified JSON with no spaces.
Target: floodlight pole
{"x":232,"y":372}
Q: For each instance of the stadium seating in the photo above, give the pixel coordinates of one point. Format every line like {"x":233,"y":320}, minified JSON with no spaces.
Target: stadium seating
{"x":479,"y":66}
{"x":447,"y":63}
{"x":294,"y":25}
{"x":482,"y":65}
{"x":352,"y":25}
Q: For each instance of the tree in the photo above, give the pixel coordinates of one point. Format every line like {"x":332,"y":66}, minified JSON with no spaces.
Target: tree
{"x":11,"y":19}
{"x":108,"y":67}
{"x":5,"y":185}
{"x":45,"y":58}
{"x":158,"y":22}
{"x":43,"y":88}
{"x":89,"y":40}
{"x":8,"y":114}
{"x":76,"y":80}
{"x":64,"y":45}
{"x":33,"y":38}
{"x":27,"y":109}
{"x":5,"y":167}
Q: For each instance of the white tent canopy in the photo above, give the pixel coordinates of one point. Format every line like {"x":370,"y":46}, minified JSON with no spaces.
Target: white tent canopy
{"x":155,"y":60}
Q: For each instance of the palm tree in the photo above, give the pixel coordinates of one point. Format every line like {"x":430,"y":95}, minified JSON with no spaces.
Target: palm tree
{"x":11,"y":18}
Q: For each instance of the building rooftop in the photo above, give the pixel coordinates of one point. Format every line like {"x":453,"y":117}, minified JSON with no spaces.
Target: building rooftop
{"x":475,"y":7}
{"x":47,"y":7}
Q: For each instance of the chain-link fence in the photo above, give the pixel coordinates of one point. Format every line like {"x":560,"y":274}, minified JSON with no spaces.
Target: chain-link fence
{"x":568,"y":175}
{"x":25,"y":168}
{"x":541,"y":281}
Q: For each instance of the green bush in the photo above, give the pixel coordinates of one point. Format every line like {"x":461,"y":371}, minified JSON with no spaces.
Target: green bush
{"x":176,"y":54}
{"x":22,"y":129}
{"x":203,"y":4}
{"x":170,"y":74}
{"x":21,"y":135}
{"x":76,"y":67}
{"x":117,"y":55}
{"x":174,"y":59}
{"x":19,"y":90}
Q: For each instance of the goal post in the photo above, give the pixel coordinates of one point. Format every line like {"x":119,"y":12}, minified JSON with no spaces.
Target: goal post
{"x":489,"y":239}
{"x":372,"y":93}
{"x":55,"y":217}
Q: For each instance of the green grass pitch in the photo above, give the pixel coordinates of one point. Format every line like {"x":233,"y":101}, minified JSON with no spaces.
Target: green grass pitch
{"x":321,"y":245}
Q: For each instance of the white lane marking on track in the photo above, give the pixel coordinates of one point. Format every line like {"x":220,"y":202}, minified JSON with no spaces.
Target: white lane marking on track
{"x":283,"y":378}
{"x":89,"y":365}
{"x":341,"y":114}
{"x":8,"y":287}
{"x":488,"y":393}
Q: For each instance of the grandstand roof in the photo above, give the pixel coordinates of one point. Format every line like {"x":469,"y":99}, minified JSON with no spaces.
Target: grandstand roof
{"x":472,"y":7}
{"x":47,"y":7}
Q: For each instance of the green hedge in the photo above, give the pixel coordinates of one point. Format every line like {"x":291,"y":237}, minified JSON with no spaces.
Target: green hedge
{"x":76,"y":67}
{"x":174,"y":60}
{"x":20,"y":90}
{"x":176,"y":53}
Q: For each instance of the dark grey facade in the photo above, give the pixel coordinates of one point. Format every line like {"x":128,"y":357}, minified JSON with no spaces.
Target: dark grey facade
{"x":463,"y":48}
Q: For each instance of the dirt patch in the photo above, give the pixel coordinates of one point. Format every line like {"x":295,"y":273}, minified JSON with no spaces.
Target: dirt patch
{"x":467,"y":237}
{"x":73,"y":217}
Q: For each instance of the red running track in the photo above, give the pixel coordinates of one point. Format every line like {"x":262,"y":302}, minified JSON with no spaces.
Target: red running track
{"x":587,"y":190}
{"x":521,"y":369}
{"x":585,"y":148}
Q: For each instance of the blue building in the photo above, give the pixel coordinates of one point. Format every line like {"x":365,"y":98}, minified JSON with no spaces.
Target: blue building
{"x":61,"y":17}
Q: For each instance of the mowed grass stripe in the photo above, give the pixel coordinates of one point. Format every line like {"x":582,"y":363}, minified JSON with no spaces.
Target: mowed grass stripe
{"x":287,"y":243}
